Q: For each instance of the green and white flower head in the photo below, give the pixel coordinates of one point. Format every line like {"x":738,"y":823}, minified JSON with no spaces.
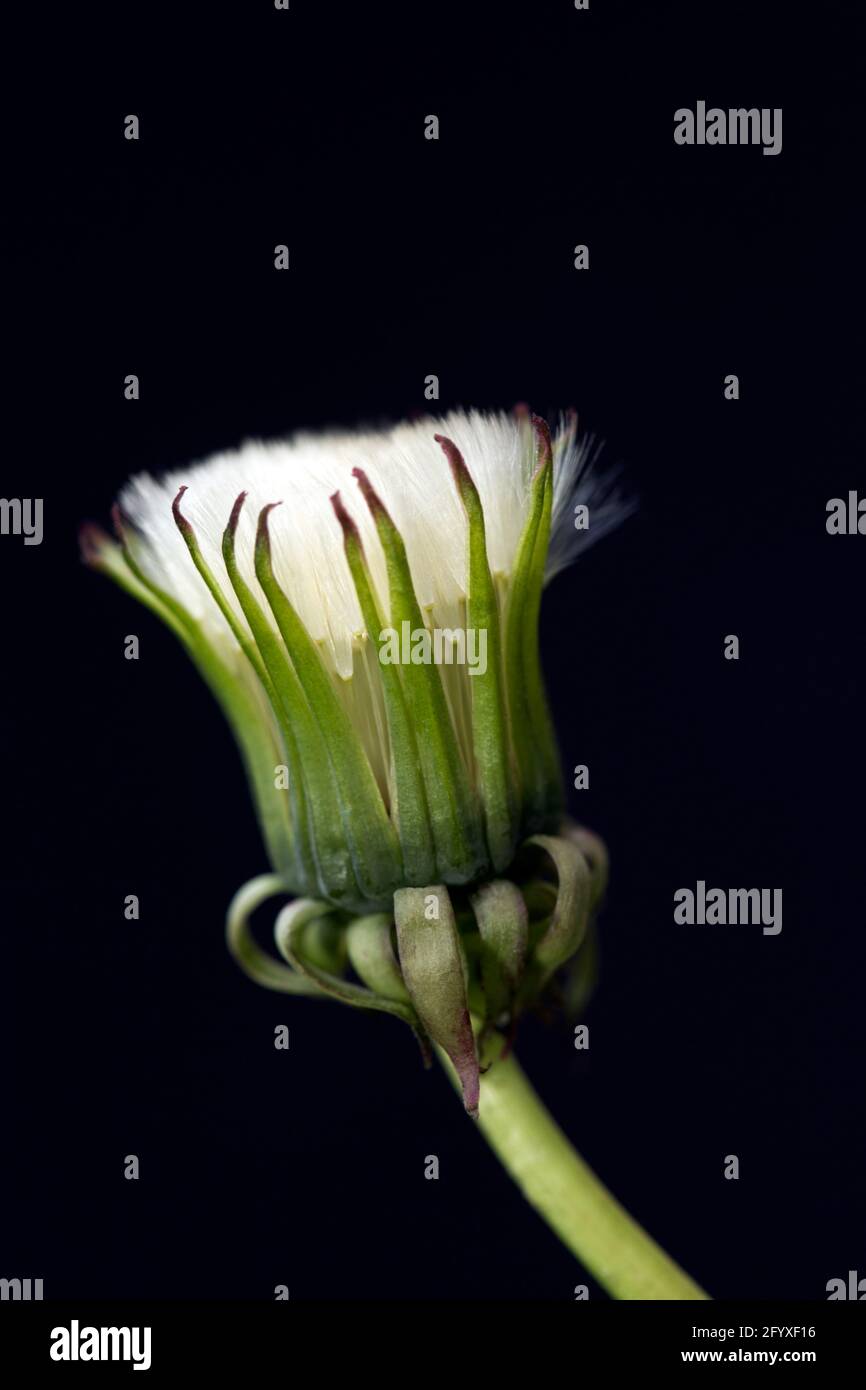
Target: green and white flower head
{"x":364,"y":607}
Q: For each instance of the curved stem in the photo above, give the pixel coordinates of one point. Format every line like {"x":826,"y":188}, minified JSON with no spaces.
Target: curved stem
{"x":566,"y":1192}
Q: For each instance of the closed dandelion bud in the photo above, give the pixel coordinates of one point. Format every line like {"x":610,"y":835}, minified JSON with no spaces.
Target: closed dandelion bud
{"x":364,"y":607}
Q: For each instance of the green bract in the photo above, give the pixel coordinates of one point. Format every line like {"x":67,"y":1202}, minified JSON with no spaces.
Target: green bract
{"x":411,"y":806}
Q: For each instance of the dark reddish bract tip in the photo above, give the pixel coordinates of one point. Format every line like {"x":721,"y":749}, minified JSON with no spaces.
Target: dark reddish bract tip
{"x":460,"y":472}
{"x":470,"y":1082}
{"x":544,"y":448}
{"x":91,"y":540}
{"x":237,"y":508}
{"x":348,"y":526}
{"x":371,"y":496}
{"x":262,"y":534}
{"x":178,"y":514}
{"x":117,"y":521}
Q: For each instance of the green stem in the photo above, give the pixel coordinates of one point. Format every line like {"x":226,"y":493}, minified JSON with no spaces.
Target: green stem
{"x":567,"y":1193}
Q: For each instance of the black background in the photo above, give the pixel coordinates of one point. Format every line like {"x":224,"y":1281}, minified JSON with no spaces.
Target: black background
{"x":454,"y":257}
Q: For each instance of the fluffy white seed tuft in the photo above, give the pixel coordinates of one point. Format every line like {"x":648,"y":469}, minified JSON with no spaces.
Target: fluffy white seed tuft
{"x":411,"y":475}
